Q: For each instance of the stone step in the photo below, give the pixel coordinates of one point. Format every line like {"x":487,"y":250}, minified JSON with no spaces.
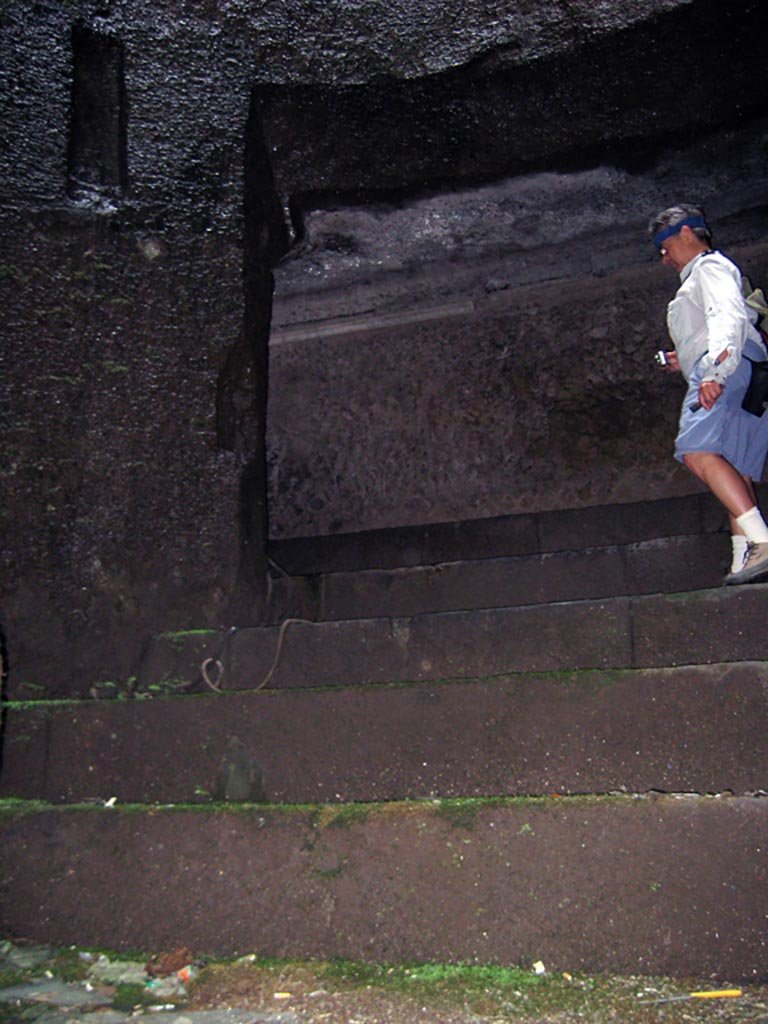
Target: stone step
{"x":653,"y":631}
{"x":695,"y":729}
{"x":644,"y":885}
{"x":501,"y":537}
{"x":665,"y":565}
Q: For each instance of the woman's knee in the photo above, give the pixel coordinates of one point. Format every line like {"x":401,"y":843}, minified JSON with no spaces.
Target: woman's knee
{"x":705,"y":465}
{"x":694,"y":461}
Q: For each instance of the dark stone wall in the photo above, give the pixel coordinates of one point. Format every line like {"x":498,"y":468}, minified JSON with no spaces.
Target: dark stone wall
{"x":381,"y":256}
{"x":616,"y":96}
{"x":395,"y":396}
{"x":151,"y":153}
{"x":540,"y":397}
{"x":139,"y":225}
{"x":120,"y":501}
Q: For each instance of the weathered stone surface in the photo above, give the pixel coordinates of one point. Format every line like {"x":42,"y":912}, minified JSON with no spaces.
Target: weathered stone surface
{"x":133,"y":380}
{"x":699,"y":627}
{"x":578,"y":634}
{"x":582,"y":884}
{"x":686,"y":563}
{"x":137,"y":291}
{"x":183,"y":129}
{"x":617,"y":632}
{"x":443,"y":248}
{"x":411,"y":546}
{"x":631,"y":523}
{"x":549,"y":399}
{"x":694,"y":729}
{"x":600,"y":103}
{"x":567,"y":530}
{"x":55,"y":993}
{"x":114,"y":469}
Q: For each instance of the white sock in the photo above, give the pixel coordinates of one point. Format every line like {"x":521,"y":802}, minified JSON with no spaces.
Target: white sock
{"x":753,"y":526}
{"x":739,"y":548}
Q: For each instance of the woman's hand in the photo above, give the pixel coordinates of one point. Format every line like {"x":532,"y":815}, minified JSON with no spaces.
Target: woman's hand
{"x":673,"y":364}
{"x":709,"y":392}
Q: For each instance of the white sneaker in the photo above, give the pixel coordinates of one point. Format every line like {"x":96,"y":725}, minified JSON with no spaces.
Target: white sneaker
{"x":755,"y":566}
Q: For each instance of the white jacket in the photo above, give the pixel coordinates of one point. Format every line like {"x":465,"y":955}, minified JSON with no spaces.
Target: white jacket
{"x":708,"y":316}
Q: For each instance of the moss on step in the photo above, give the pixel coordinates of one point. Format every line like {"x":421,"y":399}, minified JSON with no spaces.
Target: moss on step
{"x":457,"y":812}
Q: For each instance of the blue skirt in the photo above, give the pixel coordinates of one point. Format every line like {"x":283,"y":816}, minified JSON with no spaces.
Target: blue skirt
{"x":725,"y":429}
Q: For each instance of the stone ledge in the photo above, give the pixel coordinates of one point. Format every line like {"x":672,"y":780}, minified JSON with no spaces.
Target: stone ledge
{"x":692,"y":628}
{"x":637,"y":885}
{"x":695,"y":729}
{"x":568,"y":530}
{"x":666,"y":565}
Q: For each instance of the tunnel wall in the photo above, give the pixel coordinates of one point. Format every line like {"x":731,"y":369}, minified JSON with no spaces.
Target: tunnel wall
{"x":539,"y":398}
{"x":139,"y":225}
{"x":136,"y":288}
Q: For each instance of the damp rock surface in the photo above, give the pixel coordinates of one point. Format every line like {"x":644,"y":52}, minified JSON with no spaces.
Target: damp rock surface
{"x":163,"y":164}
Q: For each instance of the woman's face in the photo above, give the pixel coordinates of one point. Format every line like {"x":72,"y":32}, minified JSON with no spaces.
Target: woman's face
{"x":679,"y":249}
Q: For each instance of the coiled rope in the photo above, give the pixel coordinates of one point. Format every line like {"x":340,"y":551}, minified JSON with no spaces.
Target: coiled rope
{"x":215,"y":662}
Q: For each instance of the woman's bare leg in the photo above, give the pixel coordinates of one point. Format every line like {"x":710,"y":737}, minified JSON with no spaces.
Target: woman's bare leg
{"x":726,"y":483}
{"x":736,"y":530}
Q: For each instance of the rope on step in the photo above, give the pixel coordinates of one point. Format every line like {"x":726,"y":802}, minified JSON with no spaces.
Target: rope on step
{"x":207,"y":679}
{"x":215,"y":660}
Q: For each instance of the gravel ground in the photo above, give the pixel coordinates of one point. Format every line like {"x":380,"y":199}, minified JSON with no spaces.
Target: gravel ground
{"x":49,"y":986}
{"x":308,"y":992}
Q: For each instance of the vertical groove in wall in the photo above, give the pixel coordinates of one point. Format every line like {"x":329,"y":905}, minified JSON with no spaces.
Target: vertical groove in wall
{"x":241,"y":401}
{"x":97,"y":163}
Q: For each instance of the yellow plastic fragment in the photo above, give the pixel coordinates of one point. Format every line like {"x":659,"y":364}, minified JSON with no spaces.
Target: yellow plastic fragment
{"x":717,"y":993}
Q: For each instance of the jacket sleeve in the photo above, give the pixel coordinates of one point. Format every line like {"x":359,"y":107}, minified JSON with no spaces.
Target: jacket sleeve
{"x":726,"y":317}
